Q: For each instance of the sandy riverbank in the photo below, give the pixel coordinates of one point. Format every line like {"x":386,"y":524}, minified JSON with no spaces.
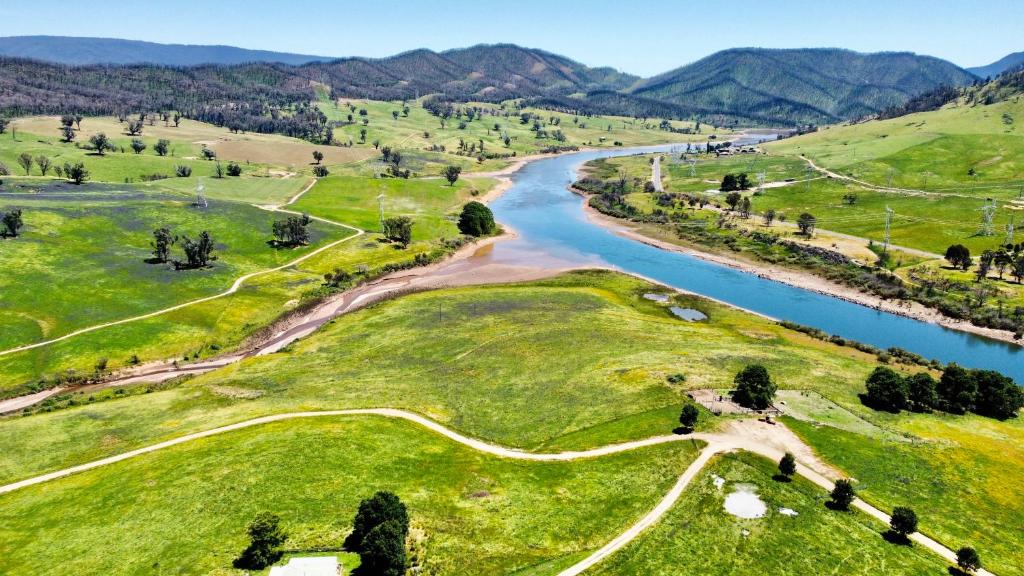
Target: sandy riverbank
{"x":803,"y":280}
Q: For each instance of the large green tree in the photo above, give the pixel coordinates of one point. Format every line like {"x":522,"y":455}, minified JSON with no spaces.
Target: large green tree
{"x":754,"y":388}
{"x":382,"y":507}
{"x":476,"y":219}
{"x":266,"y":537}
{"x":887,"y":390}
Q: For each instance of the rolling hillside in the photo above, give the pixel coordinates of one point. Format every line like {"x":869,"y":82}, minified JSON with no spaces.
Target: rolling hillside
{"x":1005,"y":63}
{"x":804,"y":85}
{"x":80,"y":51}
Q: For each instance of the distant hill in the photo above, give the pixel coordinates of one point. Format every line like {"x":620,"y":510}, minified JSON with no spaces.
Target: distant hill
{"x":1005,"y":63}
{"x":815,"y":85}
{"x":79,"y":51}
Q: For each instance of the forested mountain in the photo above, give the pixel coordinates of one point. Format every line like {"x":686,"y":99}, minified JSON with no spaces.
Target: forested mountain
{"x":1008,"y":62}
{"x":801,"y":85}
{"x":1007,"y":85}
{"x":745,"y":86}
{"x":74,"y":50}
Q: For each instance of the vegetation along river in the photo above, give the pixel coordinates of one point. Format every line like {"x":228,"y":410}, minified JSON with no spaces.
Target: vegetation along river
{"x":553,"y":229}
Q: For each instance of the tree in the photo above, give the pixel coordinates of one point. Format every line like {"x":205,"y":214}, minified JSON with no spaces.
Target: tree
{"x":984,"y":265}
{"x":44,"y":164}
{"x":742,"y":181}
{"x":162,"y":146}
{"x":197,"y":252}
{"x":12,"y":222}
{"x":67,"y":133}
{"x":183,"y":170}
{"x":959,"y":256}
{"x":162,"y":242}
{"x":754,"y":388}
{"x":903,"y":521}
{"x":25,"y":160}
{"x":218,"y":171}
{"x":806,"y":223}
{"x":787,"y":465}
{"x":362,"y":135}
{"x":732,"y":199}
{"x":320,"y":171}
{"x":234,"y":169}
{"x":967,"y":559}
{"x":3,"y":125}
{"x":887,"y":390}
{"x":956,"y":389}
{"x":842,"y":494}
{"x":688,"y":417}
{"x":134,"y":127}
{"x":769,"y":216}
{"x":451,"y":174}
{"x":318,"y":156}
{"x":382,"y":507}
{"x":383,"y":550}
{"x":398,"y":229}
{"x":476,"y":219}
{"x":292,"y":231}
{"x":744,"y":207}
{"x":138,"y":145}
{"x":76,"y":172}
{"x":100,"y":143}
{"x":729,"y":183}
{"x":921,"y":392}
{"x":266,"y":537}
{"x":208,"y":153}
{"x":998,"y":396}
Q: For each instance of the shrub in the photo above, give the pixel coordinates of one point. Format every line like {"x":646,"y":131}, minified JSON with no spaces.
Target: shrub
{"x":476,"y":220}
{"x":842,"y":494}
{"x":266,"y":537}
{"x":688,"y":417}
{"x":234,"y":169}
{"x":787,"y":465}
{"x":183,"y":171}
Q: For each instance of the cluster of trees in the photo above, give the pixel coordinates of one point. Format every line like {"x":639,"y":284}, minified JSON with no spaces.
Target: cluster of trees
{"x":958,"y":391}
{"x":476,"y":219}
{"x":738,"y":202}
{"x":198,"y":252}
{"x":731,"y":182}
{"x":292,"y":231}
{"x":25,"y":160}
{"x":379,"y":530}
{"x":1008,"y":257}
{"x":12,"y":223}
{"x":754,"y":388}
{"x":398,"y":229}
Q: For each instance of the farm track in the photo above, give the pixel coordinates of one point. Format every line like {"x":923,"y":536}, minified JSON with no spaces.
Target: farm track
{"x":768,"y":441}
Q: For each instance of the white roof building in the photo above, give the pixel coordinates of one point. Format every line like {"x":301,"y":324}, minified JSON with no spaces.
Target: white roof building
{"x":315,"y":566}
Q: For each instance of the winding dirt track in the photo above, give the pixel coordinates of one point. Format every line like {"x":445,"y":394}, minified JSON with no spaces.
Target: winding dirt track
{"x":769,"y":441}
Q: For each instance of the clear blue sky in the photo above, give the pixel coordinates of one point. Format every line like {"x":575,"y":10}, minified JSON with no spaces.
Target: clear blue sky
{"x":639,"y":36}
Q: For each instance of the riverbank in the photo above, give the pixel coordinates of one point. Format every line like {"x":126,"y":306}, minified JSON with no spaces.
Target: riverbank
{"x":796,"y":278}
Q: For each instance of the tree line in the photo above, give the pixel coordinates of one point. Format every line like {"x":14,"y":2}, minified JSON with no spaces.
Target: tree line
{"x":958,"y":391}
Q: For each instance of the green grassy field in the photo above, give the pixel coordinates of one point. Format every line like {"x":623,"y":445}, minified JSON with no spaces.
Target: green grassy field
{"x":419,"y":131}
{"x":699,"y":536}
{"x":930,"y":150}
{"x":431,"y":204}
{"x":98,"y":240}
{"x":184,"y":510}
{"x":480,"y":360}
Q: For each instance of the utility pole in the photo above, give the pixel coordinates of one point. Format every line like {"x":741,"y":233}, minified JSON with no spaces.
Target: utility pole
{"x":380,"y":205}
{"x":888,"y":224}
{"x":988,"y":211}
{"x":888,"y":180}
{"x":200,"y":197}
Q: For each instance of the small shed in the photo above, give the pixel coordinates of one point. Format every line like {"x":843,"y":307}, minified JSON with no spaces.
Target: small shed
{"x":312,"y":566}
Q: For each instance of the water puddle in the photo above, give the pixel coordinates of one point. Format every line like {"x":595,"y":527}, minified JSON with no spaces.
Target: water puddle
{"x":688,"y":314}
{"x":744,"y":502}
{"x":656,"y":297}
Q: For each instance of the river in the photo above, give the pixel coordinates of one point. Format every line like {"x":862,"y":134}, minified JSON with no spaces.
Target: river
{"x":554,"y":230}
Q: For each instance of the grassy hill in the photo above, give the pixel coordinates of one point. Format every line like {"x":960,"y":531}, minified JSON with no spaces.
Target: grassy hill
{"x":817,"y":85}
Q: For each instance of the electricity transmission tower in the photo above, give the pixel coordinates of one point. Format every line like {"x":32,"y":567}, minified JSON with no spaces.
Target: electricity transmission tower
{"x":1009,"y":232}
{"x":888,"y":179}
{"x":380,"y":206}
{"x":888,"y":224}
{"x":693,"y":166}
{"x":200,"y":196}
{"x":988,"y":211}
{"x":760,"y":180}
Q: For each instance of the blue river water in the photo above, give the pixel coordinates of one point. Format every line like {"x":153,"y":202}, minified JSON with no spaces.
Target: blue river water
{"x":553,"y":228}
